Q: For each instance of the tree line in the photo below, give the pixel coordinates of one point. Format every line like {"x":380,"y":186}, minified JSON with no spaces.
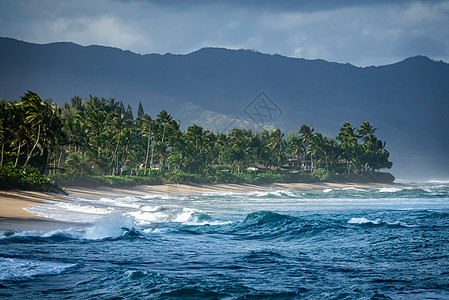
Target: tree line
{"x":101,"y":137}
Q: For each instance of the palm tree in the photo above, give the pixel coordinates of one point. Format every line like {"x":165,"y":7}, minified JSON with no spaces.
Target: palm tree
{"x":21,"y":129}
{"x":346,"y":134}
{"x":147,"y":126}
{"x":296,"y":146}
{"x":4,"y":128}
{"x":317,"y":147}
{"x":54,"y":136}
{"x":306,"y":134}
{"x":349,"y":146}
{"x":36,"y":111}
{"x":277,"y":145}
{"x":195,"y":133}
{"x":164,"y":118}
{"x":76,"y":163}
{"x":366,"y":131}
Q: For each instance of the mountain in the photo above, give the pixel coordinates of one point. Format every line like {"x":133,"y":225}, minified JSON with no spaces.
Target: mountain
{"x":220,"y":88}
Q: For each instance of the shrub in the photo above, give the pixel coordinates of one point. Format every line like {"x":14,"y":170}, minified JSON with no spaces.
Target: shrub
{"x":321,"y":174}
{"x":14,"y":178}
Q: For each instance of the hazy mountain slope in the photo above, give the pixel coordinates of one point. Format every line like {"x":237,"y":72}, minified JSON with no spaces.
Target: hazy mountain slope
{"x":408,"y":101}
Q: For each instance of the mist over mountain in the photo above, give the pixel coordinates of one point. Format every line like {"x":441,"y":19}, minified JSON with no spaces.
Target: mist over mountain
{"x":219,"y":89}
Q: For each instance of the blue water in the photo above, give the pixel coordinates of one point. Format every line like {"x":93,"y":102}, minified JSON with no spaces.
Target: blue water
{"x":390,"y":243}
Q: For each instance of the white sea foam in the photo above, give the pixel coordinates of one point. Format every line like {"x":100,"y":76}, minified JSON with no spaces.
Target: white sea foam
{"x":121,"y":202}
{"x":87,"y":209}
{"x":389,"y":190}
{"x":185,"y":215}
{"x":144,"y":217}
{"x":70,"y":211}
{"x":208,"y":222}
{"x":278,"y":193}
{"x":19,"y":269}
{"x":148,"y":208}
{"x":363,"y":221}
{"x":439,"y":181}
{"x":152,"y":215}
{"x":164,"y":196}
{"x":354,"y":189}
{"x":221,"y":194}
{"x":113,"y":225}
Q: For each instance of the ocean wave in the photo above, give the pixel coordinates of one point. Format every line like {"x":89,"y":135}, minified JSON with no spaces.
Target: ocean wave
{"x":274,"y":194}
{"x":86,"y":209}
{"x":354,"y":189}
{"x":441,"y":181}
{"x":413,"y":192}
{"x":19,"y":269}
{"x":111,"y":226}
{"x":121,"y":202}
{"x":389,"y":190}
{"x":272,"y":225}
{"x":365,"y":221}
{"x":36,"y":237}
{"x":79,"y":212}
{"x":162,"y":196}
{"x":150,"y":208}
{"x":256,"y":194}
{"x":147,"y":215}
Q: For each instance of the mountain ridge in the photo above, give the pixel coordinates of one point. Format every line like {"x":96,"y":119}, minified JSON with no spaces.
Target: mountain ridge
{"x":406,"y":100}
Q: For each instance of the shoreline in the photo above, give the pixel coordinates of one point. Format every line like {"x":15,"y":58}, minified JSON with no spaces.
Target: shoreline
{"x":14,"y":202}
{"x":172,"y":188}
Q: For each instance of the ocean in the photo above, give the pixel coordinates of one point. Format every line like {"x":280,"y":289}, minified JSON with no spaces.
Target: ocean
{"x":381,"y":243}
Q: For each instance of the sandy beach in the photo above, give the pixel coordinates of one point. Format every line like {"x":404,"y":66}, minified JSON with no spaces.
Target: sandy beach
{"x":13,"y":203}
{"x":13,"y":215}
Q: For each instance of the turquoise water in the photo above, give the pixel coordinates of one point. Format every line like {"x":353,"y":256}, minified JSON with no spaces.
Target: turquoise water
{"x":388,"y":243}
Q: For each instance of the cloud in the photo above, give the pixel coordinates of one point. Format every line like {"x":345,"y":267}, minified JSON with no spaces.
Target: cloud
{"x":360,"y":32}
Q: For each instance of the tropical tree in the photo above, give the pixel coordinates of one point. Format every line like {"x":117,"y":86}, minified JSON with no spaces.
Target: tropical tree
{"x":5,"y":128}
{"x":38,"y":114}
{"x":164,"y":118}
{"x":147,"y":129}
{"x":365,"y":131}
{"x":277,"y":146}
{"x":306,"y":134}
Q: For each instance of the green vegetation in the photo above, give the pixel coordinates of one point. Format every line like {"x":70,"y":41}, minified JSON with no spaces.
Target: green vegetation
{"x":98,"y":141}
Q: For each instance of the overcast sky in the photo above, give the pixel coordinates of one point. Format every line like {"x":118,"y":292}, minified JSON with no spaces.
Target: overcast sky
{"x":361,"y":32}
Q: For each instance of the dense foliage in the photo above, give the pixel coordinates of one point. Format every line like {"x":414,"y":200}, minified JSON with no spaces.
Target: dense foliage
{"x":97,"y":137}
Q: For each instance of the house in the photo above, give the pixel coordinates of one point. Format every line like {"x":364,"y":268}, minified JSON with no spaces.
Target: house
{"x":272,"y":168}
{"x":299,"y":163}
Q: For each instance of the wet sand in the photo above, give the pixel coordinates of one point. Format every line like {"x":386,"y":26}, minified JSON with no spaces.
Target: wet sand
{"x":13,"y":215}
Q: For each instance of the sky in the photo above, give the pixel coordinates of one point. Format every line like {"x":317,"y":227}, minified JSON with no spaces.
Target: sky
{"x":360,"y":32}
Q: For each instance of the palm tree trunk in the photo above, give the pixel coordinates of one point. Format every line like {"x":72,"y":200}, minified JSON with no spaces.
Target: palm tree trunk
{"x":146,"y":156}
{"x":59,"y":161}
{"x":32,"y":149}
{"x":115,"y":156}
{"x":311,"y":163}
{"x":18,"y":154}
{"x":163,"y":134}
{"x":152,"y":153}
